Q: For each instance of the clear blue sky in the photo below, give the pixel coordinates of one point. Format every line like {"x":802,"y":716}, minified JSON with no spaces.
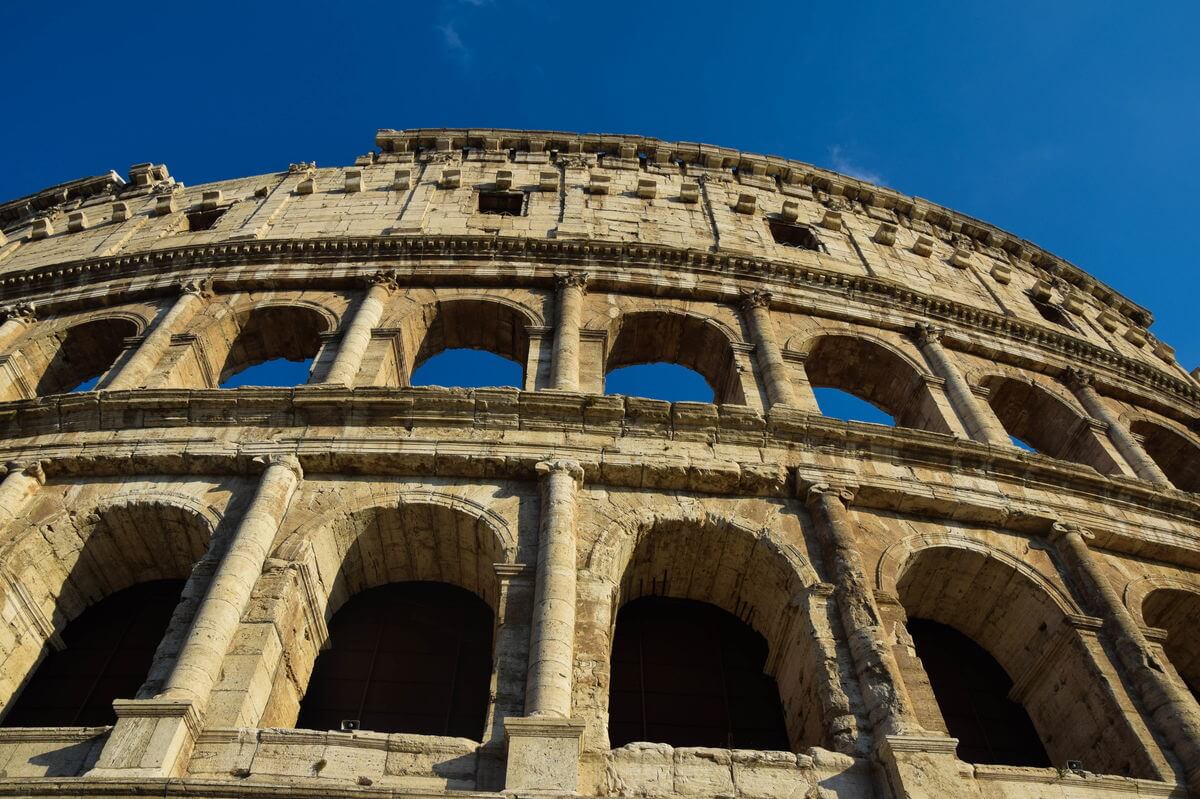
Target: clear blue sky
{"x":1073,"y":124}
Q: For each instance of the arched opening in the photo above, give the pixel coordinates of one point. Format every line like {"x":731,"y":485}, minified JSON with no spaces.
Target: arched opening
{"x":972,"y":692}
{"x":407,"y":657}
{"x":268,"y":336}
{"x":838,"y":404}
{"x":1036,"y":417}
{"x":442,"y":328}
{"x":1049,"y":669}
{"x":107,"y":653}
{"x":687,"y":673}
{"x":468,"y":369}
{"x":876,"y":375}
{"x":713,"y":584}
{"x":73,"y":359}
{"x":1176,"y":454}
{"x":692,"y":342}
{"x":1176,"y":612}
{"x":669,"y":382}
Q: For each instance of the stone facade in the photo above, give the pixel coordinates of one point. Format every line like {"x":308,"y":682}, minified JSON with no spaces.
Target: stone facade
{"x":1078,"y":570}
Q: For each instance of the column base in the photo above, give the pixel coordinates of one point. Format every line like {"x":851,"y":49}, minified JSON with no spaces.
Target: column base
{"x":152,"y":738}
{"x":925,"y":767}
{"x":543,"y":754}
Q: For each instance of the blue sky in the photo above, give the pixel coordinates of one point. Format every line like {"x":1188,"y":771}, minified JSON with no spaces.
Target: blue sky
{"x":1073,"y":124}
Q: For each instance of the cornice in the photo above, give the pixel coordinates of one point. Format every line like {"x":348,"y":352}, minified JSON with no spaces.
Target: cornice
{"x":368,"y":251}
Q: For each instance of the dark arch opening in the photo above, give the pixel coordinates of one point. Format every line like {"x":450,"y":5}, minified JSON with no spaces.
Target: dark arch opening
{"x":1176,"y":612}
{"x":77,"y":357}
{"x":480,"y":325}
{"x":876,"y":375}
{"x":270,"y":334}
{"x":687,"y":673}
{"x":1175,"y":453}
{"x":692,"y":342}
{"x":466,"y":368}
{"x":411,"y":657}
{"x":1047,"y":424}
{"x":661,"y":381}
{"x":107,"y":655}
{"x":972,"y":690}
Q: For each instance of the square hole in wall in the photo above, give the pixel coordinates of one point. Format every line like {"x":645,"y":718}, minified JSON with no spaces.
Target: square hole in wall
{"x":792,"y":235}
{"x":1052,"y":313}
{"x":203,"y":220}
{"x":504,"y":203}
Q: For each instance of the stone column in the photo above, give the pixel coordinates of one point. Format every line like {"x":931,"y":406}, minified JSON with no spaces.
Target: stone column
{"x":544,"y":747}
{"x":1169,"y":707}
{"x":357,"y":337}
{"x":1082,"y":386}
{"x":756,"y":307}
{"x":16,"y":319}
{"x":154,"y":737}
{"x":571,"y":287}
{"x":21,"y":482}
{"x":889,"y":709}
{"x":980,"y":422}
{"x":193,"y":295}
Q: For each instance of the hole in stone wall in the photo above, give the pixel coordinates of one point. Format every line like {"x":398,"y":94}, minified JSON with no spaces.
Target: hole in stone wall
{"x":972,"y":692}
{"x":203,"y":220}
{"x":76,"y":359}
{"x":687,"y":673}
{"x":1052,"y":313}
{"x":660,"y":381}
{"x":468,"y":368}
{"x":792,"y":235}
{"x":405,"y":657}
{"x":504,"y":203}
{"x":838,"y":404}
{"x":1175,"y":453}
{"x":273,"y":334}
{"x":275,"y":373}
{"x":108,"y":652}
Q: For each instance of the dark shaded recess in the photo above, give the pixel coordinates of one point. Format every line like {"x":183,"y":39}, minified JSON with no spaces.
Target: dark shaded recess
{"x":87,"y":351}
{"x":504,"y":203}
{"x":687,"y":673}
{"x":108,"y":653}
{"x":1177,"y":455}
{"x":410,"y":657}
{"x":291,"y":333}
{"x":972,"y":692}
{"x":790,"y":234}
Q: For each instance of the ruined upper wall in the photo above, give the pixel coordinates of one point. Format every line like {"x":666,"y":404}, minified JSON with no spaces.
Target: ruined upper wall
{"x":625,"y":189}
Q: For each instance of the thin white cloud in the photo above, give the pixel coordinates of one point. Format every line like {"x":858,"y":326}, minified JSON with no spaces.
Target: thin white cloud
{"x":842,"y":163}
{"x":453,"y":42}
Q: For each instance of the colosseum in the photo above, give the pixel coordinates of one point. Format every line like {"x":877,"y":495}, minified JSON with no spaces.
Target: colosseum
{"x":359,"y":588}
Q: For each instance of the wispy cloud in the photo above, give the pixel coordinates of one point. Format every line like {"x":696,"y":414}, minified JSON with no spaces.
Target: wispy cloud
{"x":454,"y":43}
{"x":847,"y":166}
{"x":455,"y":12}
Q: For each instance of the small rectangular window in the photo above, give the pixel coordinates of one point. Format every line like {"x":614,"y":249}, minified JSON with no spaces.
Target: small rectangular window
{"x":203,"y":220}
{"x":505,"y":203}
{"x":1052,"y":313}
{"x":792,"y":235}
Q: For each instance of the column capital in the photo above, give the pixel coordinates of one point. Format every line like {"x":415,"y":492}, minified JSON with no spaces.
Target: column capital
{"x":577,"y":280}
{"x":33,"y":469}
{"x":755,"y":298}
{"x":1075,"y":377}
{"x":1060,"y":530}
{"x":202,"y":288}
{"x":926,"y":333}
{"x":388,"y":279}
{"x":287,"y":461}
{"x":815,"y":492}
{"x":556,"y":465}
{"x":19,"y":311}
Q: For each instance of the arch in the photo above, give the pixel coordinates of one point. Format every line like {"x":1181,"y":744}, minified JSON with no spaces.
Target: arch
{"x":749,"y":572}
{"x":877,"y":372}
{"x":275,"y":330}
{"x":985,"y":596}
{"x":1171,"y":605}
{"x":411,"y":657}
{"x":493,"y":324}
{"x":1176,"y":453}
{"x":56,"y":569}
{"x":697,"y":342}
{"x":59,"y":361}
{"x":1046,"y":421}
